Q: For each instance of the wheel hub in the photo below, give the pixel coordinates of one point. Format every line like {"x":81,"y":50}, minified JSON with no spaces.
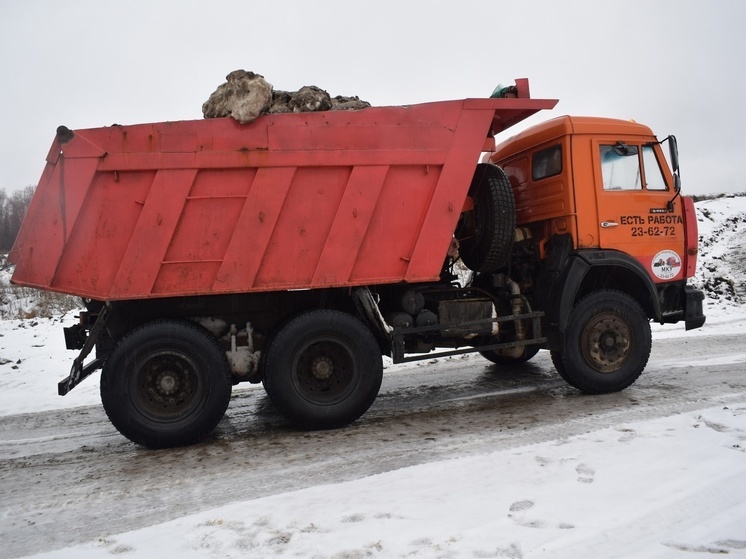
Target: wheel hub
{"x":322,"y":367}
{"x":167,"y":383}
{"x":323,"y":370}
{"x":607,"y":343}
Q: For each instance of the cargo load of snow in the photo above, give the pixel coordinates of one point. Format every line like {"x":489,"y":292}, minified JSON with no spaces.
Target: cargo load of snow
{"x":246,"y":95}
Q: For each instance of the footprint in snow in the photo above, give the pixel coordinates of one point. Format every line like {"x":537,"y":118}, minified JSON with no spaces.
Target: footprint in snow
{"x":517,"y":511}
{"x":627,"y":435}
{"x":585,"y":473}
{"x":520,"y":506}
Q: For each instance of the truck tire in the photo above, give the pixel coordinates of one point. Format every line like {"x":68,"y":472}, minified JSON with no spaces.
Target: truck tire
{"x":323,"y":369}
{"x":607,"y":343}
{"x":166,"y":384}
{"x":486,"y":233}
{"x":559,"y":365}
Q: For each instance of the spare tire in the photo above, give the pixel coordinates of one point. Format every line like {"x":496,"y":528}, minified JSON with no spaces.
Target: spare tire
{"x":486,"y":232}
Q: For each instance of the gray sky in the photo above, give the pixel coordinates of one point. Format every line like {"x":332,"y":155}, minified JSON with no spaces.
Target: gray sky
{"x":676,"y":65}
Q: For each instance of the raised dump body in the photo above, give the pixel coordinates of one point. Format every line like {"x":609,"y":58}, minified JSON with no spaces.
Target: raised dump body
{"x":290,"y":201}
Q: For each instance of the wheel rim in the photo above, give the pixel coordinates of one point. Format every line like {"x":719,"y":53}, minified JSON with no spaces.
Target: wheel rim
{"x":606,"y":342}
{"x":168,"y":386}
{"x":324,"y":370}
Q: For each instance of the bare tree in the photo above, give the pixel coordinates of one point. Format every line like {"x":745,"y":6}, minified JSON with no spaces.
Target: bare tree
{"x":13,"y":209}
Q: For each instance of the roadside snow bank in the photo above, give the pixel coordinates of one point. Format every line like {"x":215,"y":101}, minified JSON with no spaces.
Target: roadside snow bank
{"x":33,"y":359}
{"x":722,"y":252}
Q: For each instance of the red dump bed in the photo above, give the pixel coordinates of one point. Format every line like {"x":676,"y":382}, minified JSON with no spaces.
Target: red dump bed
{"x":288,"y":201}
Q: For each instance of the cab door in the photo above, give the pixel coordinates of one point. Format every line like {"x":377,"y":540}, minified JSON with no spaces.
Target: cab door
{"x":633,"y":190}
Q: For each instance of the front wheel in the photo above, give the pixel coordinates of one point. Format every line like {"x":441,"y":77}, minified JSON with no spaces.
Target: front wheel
{"x":166,"y":384}
{"x":607,"y":343}
{"x":323,"y":369}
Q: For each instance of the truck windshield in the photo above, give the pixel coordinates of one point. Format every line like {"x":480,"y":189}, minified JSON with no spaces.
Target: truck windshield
{"x":620,"y":168}
{"x":653,"y":175}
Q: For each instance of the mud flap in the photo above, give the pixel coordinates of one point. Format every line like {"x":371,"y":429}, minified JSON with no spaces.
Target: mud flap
{"x":78,"y":371}
{"x":694,"y":317}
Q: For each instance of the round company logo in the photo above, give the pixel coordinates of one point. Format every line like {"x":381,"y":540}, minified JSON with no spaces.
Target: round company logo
{"x":666,"y":264}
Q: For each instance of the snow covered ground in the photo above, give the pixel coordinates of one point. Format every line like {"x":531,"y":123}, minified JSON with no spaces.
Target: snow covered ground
{"x":662,"y":488}
{"x":669,"y":487}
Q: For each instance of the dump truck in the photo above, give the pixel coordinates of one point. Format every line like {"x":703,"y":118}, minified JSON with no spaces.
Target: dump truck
{"x":299,"y":249}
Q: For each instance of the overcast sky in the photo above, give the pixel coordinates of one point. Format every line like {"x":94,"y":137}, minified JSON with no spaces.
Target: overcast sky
{"x":676,"y":65}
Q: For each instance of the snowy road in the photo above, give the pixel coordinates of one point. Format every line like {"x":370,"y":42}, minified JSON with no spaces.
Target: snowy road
{"x":68,"y":477}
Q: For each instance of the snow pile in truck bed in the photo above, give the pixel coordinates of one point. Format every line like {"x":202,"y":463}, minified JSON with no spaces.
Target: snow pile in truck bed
{"x":246,"y":95}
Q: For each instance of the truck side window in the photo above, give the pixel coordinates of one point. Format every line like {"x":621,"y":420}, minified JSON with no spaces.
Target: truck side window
{"x":620,"y":167}
{"x":546,"y":163}
{"x":653,"y":176}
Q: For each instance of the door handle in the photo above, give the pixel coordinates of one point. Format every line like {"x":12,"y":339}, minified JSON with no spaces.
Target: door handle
{"x":606,"y":224}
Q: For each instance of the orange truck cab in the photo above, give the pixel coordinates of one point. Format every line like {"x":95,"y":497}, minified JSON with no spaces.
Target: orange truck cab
{"x":600,"y":219}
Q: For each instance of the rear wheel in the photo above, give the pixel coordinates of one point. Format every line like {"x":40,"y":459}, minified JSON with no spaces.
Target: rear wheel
{"x":166,"y":384}
{"x":607,"y":343}
{"x":486,"y":232}
{"x":323,"y":369}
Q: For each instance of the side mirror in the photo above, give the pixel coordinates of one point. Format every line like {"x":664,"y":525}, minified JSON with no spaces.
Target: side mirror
{"x":674,"y":147}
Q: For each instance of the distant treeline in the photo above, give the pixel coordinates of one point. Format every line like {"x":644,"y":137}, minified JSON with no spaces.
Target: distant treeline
{"x":700,"y":197}
{"x":13,"y":208}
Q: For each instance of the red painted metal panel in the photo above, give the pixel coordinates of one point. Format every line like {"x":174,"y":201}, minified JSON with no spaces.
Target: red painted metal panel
{"x":254,"y":229}
{"x":93,"y":254}
{"x":344,"y":241}
{"x":691,"y":236}
{"x":302,"y":227}
{"x":26,"y":227}
{"x":436,"y":231}
{"x":47,"y":238}
{"x":287,"y":201}
{"x":138,"y":268}
{"x":395,"y":224}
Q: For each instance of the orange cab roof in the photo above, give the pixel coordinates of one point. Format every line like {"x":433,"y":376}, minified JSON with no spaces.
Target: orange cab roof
{"x":564,"y":125}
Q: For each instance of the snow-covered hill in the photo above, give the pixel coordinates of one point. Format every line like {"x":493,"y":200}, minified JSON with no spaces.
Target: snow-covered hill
{"x":722,"y":250}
